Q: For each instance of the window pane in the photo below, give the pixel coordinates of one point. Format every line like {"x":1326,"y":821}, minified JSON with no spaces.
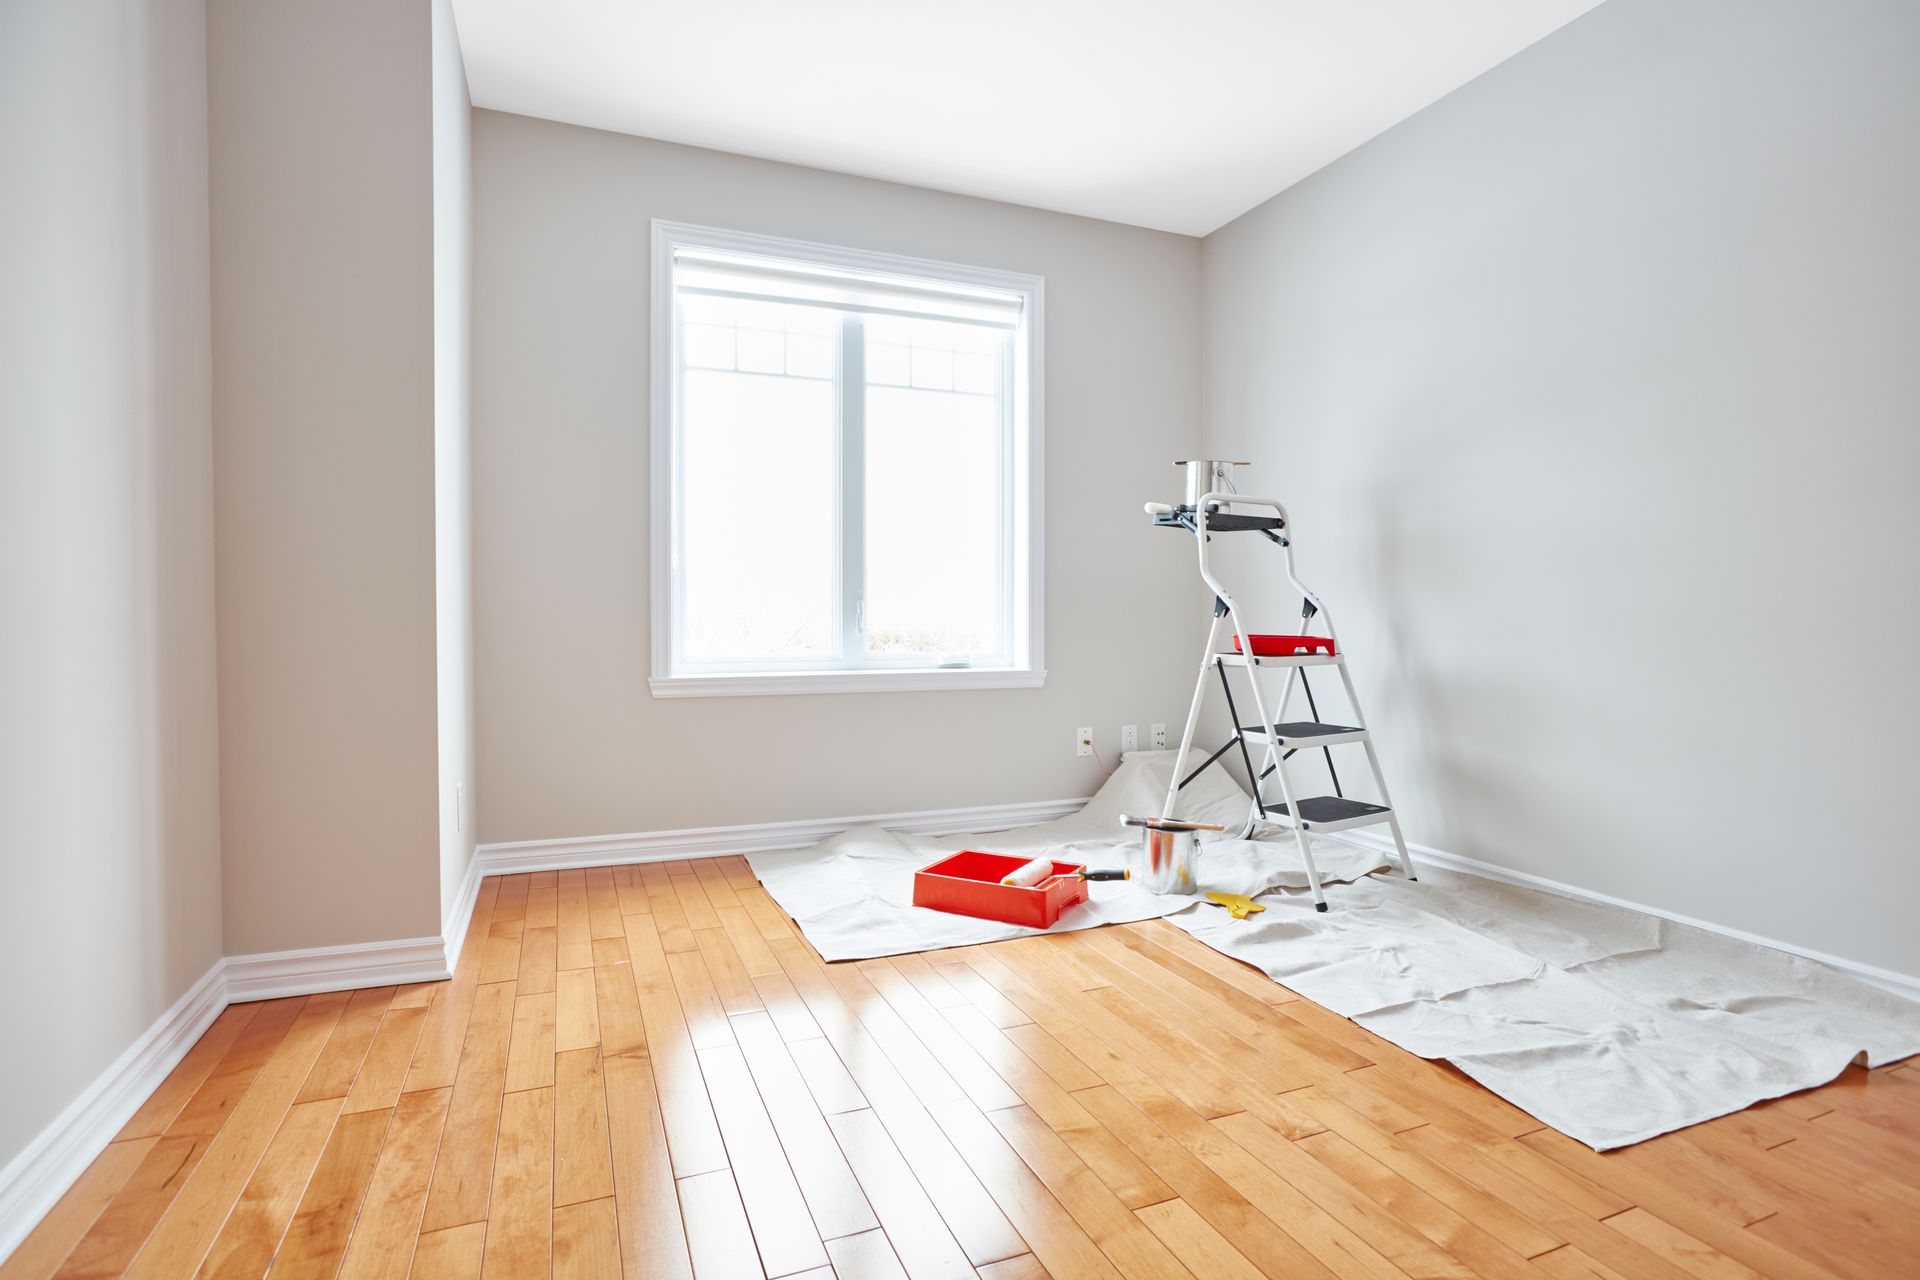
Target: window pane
{"x":756,"y":509}
{"x":934,"y":515}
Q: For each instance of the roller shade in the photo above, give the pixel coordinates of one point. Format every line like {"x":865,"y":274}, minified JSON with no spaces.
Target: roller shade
{"x":708,"y":273}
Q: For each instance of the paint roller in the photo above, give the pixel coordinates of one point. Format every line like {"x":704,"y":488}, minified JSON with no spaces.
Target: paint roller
{"x":1032,"y":873}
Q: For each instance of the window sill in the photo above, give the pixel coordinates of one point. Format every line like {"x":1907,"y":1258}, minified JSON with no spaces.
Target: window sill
{"x":870,"y":680}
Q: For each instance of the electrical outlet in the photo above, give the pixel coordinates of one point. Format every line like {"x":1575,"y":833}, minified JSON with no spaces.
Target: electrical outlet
{"x":1159,"y":737}
{"x":1083,"y":741}
{"x":1129,"y":737}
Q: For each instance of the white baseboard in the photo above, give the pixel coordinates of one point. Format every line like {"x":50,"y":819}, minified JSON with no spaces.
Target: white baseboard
{"x":1901,"y":984}
{"x":270,"y":975}
{"x":714,"y":842}
{"x":33,"y":1181}
{"x":454,"y":928}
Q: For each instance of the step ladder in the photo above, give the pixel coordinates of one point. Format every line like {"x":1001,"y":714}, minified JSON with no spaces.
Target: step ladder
{"x":1208,"y":511}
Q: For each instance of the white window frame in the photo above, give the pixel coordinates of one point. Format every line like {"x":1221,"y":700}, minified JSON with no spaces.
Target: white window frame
{"x":1027,"y":479}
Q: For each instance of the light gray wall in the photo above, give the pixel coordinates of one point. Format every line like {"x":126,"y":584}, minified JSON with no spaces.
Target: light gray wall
{"x":453,"y":450}
{"x":1594,"y":391}
{"x":571,"y":743}
{"x":322,"y":198}
{"x":110,"y":908}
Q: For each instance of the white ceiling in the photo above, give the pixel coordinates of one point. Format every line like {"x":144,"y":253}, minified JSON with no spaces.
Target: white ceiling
{"x":1179,"y":116}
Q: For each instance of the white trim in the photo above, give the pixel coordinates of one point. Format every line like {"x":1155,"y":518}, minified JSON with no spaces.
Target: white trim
{"x":270,"y":975}
{"x":1901,"y":984}
{"x":34,"y":1180}
{"x":453,"y":930}
{"x":715,"y":842}
{"x":745,"y":684}
{"x":1027,"y":484}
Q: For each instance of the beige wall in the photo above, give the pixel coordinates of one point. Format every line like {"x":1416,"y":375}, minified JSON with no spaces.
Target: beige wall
{"x":322,"y":202}
{"x":1594,"y":391}
{"x":110,"y":909}
{"x":453,"y":451}
{"x":571,"y":743}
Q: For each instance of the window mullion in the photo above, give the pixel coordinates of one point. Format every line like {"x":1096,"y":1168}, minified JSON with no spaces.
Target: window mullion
{"x":852,"y":523}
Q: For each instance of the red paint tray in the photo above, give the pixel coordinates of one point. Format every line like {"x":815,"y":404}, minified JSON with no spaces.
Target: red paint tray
{"x":968,"y":884}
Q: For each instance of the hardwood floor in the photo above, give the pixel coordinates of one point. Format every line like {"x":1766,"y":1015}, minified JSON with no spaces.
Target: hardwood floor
{"x":645,"y":1071}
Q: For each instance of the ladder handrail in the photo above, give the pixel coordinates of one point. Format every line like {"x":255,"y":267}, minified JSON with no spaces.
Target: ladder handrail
{"x":1200,"y":513}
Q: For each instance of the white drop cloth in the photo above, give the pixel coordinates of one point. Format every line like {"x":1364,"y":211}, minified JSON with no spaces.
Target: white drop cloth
{"x":853,"y":893}
{"x":1609,"y":1025}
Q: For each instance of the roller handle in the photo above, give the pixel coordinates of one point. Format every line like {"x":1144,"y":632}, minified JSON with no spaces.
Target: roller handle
{"x":1120,"y":874}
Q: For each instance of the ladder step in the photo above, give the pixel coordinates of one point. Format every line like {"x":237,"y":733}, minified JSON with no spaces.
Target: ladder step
{"x":1333,"y":813}
{"x":1306,"y":733}
{"x":1285,"y":660}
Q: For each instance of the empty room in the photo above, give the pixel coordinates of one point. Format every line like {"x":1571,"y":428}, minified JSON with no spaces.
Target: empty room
{"x":863,"y":640}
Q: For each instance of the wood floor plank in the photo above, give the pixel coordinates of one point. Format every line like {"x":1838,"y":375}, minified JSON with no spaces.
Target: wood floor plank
{"x":1687,"y":1253}
{"x":333,"y":1074}
{"x":669,"y":917}
{"x":865,"y":1256}
{"x":450,"y":1254}
{"x":1565,"y":1207}
{"x":586,"y":1241}
{"x":574,"y":930}
{"x":717,"y":1231}
{"x":576,"y":1016}
{"x":185,"y":1231}
{"x":782,"y":1227}
{"x":1332,"y":1242}
{"x":317,"y":1237}
{"x":1135,"y":1251}
{"x":826,"y":1182}
{"x":603,"y":904}
{"x":981,"y":994}
{"x":700,"y":1006}
{"x":500,"y":951}
{"x":828,"y":1080}
{"x":462,"y":1176}
{"x":251,"y":1233}
{"x":164,"y":1103}
{"x":1118,"y":1168}
{"x":1473,"y":1204}
{"x":384,"y":1234}
{"x":530,"y":1046}
{"x":731,"y":981}
{"x":976,"y":1220}
{"x":694,"y":903}
{"x":582,"y":1154}
{"x":653,"y":1240}
{"x":539,"y":959}
{"x":783,"y":1003}
{"x":1024,"y":1267}
{"x":693,"y":1136}
{"x":617,"y":1010}
{"x":755,"y":956}
{"x":1050,"y":1232}
{"x":1438,"y":1221}
{"x":631,"y":894}
{"x":1224,"y":1208}
{"x":1186,"y":1234}
{"x":543,"y":899}
{"x":960,"y":1059}
{"x":377,"y":1086}
{"x":520,"y":1211}
{"x":1739,"y":1243}
{"x":54,"y":1237}
{"x":920,"y":1235}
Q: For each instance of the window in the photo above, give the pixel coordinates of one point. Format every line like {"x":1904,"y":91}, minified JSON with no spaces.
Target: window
{"x":846,"y":460}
